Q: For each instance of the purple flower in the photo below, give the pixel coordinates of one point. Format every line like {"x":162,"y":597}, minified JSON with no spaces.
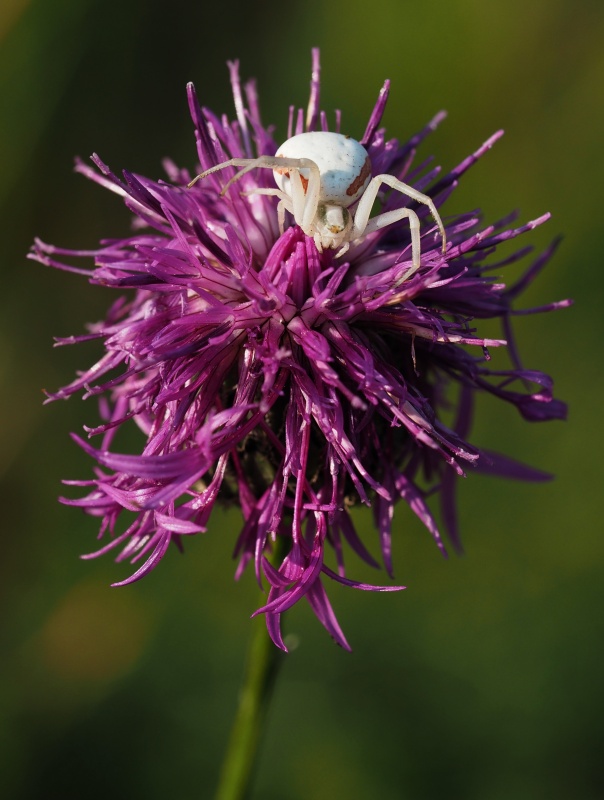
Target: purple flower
{"x":292,"y":382}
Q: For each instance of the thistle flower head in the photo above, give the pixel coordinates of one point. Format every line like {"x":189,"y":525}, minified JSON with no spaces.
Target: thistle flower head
{"x":292,"y":382}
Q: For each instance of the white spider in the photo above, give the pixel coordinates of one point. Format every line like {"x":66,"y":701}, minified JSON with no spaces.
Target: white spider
{"x":320,"y":175}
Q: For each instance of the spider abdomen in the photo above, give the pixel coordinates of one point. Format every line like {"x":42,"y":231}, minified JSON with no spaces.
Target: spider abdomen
{"x":343,"y":163}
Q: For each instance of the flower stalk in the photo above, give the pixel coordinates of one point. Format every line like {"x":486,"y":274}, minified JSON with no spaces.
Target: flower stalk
{"x":262,"y":665}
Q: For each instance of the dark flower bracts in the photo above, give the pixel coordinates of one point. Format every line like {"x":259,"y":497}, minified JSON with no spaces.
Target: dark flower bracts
{"x":292,"y":382}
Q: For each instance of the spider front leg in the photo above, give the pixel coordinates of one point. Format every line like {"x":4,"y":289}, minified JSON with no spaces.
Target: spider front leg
{"x":302,"y":200}
{"x":363,"y":225}
{"x":246,"y":163}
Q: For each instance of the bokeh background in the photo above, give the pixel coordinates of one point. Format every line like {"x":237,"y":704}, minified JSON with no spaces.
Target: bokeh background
{"x":483,"y":680}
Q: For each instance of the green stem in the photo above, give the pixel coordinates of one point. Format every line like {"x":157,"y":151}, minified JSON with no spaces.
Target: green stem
{"x":263,"y":660}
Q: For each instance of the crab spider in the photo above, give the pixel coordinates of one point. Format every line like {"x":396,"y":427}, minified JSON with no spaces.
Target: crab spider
{"x":320,"y":175}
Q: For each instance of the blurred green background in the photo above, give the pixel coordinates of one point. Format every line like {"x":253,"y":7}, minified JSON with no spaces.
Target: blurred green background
{"x":483,"y":680}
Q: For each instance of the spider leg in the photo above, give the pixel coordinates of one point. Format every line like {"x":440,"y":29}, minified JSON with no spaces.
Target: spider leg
{"x":284,"y":203}
{"x":281,"y":216}
{"x":313,"y":193}
{"x":232,"y":162}
{"x":304,"y":200}
{"x":366,"y":202}
{"x":298,"y":196}
{"x":304,"y":192}
{"x":390,"y":217}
